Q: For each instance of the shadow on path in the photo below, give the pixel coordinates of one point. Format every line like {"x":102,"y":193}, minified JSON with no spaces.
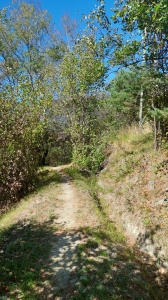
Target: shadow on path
{"x":39,"y":263}
{"x":24,"y":251}
{"x":88,"y":265}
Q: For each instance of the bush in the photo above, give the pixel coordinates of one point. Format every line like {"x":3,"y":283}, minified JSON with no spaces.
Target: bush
{"x":89,"y":156}
{"x":21,"y":132}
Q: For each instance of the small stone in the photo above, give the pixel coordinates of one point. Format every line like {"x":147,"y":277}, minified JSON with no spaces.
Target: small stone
{"x":92,"y":253}
{"x":162,"y":202}
{"x":74,"y":268}
{"x":50,"y":296}
{"x":162,"y":271}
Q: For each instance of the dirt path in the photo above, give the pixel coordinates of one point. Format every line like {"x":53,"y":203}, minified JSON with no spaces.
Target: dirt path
{"x":71,"y":215}
{"x":56,"y":248}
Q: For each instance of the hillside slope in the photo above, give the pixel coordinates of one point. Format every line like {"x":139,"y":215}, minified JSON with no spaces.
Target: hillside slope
{"x":133,"y":189}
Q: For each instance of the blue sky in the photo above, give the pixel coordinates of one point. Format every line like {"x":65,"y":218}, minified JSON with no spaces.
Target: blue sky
{"x":75,"y":8}
{"x":58,"y":8}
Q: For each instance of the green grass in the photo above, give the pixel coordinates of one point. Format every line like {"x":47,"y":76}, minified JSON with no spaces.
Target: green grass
{"x":147,"y":221}
{"x":76,"y":174}
{"x":24,"y":250}
{"x":46,"y":177}
{"x":90,"y":184}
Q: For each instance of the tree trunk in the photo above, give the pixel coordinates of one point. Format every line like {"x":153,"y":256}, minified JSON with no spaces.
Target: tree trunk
{"x":141,"y":107}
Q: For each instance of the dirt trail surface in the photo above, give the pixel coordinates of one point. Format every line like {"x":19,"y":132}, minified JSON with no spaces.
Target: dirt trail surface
{"x":57,"y":248}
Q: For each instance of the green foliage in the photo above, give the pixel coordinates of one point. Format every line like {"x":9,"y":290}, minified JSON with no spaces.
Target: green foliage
{"x":23,"y":34}
{"x":90,"y":156}
{"x":26,"y":98}
{"x":60,"y":150}
{"x":81,"y":75}
{"x":124,"y":98}
{"x":22,"y":130}
{"x":56,"y":52}
{"x":150,"y":19}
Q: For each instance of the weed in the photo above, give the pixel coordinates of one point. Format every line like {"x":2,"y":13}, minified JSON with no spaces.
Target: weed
{"x":147,"y":221}
{"x":103,"y":253}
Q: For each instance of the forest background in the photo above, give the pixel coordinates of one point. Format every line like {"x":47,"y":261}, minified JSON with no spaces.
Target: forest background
{"x":57,"y":101}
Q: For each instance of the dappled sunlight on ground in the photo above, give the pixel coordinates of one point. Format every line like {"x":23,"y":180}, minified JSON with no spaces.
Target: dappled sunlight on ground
{"x":55,"y":248}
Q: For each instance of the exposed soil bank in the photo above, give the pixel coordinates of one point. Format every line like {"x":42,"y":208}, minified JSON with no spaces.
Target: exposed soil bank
{"x":133,"y":189}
